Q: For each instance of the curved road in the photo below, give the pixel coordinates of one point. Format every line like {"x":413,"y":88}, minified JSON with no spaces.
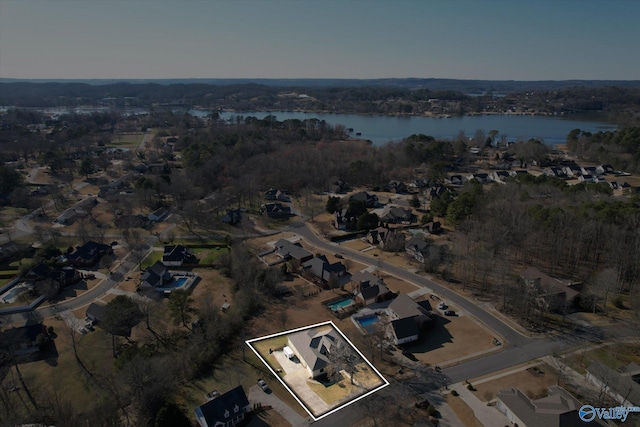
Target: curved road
{"x":518,"y":348}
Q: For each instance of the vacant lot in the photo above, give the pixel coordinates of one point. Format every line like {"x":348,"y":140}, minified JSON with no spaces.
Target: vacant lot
{"x":531,"y":381}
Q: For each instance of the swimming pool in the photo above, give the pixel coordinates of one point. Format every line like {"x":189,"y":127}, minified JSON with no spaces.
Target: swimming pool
{"x":176,"y":283}
{"x":368,"y":320}
{"x":337,"y":305}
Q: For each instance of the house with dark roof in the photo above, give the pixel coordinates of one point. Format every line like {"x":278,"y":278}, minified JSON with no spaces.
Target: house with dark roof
{"x":232,"y":217}
{"x":294,"y":251}
{"x":228,"y":409}
{"x":378,"y":236}
{"x":320,"y":268}
{"x":396,"y":187}
{"x":572,"y":171}
{"x":396,"y":215}
{"x":369,"y":289}
{"x":156,"y":275}
{"x":176,"y":255}
{"x":556,"y":293}
{"x":312,"y":347}
{"x":88,"y":254}
{"x":417,"y":249}
{"x":369,"y":200}
{"x":604,"y":169}
{"x":344,"y":219}
{"x":159,"y":214}
{"x":407,"y":318}
{"x":275,"y":210}
{"x":589,"y":170}
{"x":558,"y":409}
{"x":95,"y":312}
{"x":278,"y":195}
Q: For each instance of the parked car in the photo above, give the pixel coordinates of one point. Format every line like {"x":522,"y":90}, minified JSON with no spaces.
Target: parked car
{"x":442,"y":306}
{"x":339,"y":256}
{"x":263,"y":385}
{"x":449,"y":313}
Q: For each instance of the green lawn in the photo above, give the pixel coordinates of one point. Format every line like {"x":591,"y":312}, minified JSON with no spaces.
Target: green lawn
{"x":151,"y":259}
{"x":209,"y":255}
{"x":126,"y":139}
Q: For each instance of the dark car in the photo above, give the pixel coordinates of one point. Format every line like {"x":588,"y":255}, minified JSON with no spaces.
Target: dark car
{"x":263,"y":385}
{"x":409,"y":355}
{"x":339,"y":256}
{"x":449,"y":313}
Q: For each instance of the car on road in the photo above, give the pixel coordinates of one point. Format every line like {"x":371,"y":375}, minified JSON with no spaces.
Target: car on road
{"x":449,"y":313}
{"x":263,"y":385}
{"x":339,"y":256}
{"x":409,"y":355}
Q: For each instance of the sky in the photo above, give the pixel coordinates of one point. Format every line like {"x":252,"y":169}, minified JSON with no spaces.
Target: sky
{"x":476,"y":39}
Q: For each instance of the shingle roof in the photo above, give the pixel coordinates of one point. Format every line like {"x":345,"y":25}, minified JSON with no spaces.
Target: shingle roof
{"x":558,"y":409}
{"x":313,"y":346}
{"x":404,"y":328}
{"x":285,"y":248}
{"x":223,"y":408}
{"x":405,"y":307}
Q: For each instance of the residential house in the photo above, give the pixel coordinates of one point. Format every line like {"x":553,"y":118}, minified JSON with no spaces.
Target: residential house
{"x":228,"y":409}
{"x":396,"y":187}
{"x":457,"y":180}
{"x":572,"y":171}
{"x":95,"y":312}
{"x":275,"y":210}
{"x":587,"y":178}
{"x":604,"y":169}
{"x":159,"y":214}
{"x":417,"y":248}
{"x":156,"y":275}
{"x":588,"y":170}
{"x":344,"y":220}
{"x":620,"y":386}
{"x":339,"y":186}
{"x":177,"y":255}
{"x":278,"y":195}
{"x":481,"y":177}
{"x":312,"y":347}
{"x":370,"y":200}
{"x":333,"y":274}
{"x":378,"y":236}
{"x":557,"y":294}
{"x":369,"y":289}
{"x":558,"y":409}
{"x":232,"y":217}
{"x":65,"y":276}
{"x":88,"y":254}
{"x":395,"y":215}
{"x":555,"y":172}
{"x":13,"y":250}
{"x":500,"y":176}
{"x":407,"y":319}
{"x":518,"y":172}
{"x":80,"y":209}
{"x":67,"y":217}
{"x":435,"y":191}
{"x":294,"y":251}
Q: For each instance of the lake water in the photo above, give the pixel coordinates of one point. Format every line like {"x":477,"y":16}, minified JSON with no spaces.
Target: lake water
{"x":381,"y":129}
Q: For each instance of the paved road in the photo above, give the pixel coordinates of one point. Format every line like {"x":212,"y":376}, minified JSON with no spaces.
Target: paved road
{"x":518,"y":348}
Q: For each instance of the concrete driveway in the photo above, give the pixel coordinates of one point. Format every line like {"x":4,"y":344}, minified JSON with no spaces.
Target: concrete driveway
{"x":256,"y":395}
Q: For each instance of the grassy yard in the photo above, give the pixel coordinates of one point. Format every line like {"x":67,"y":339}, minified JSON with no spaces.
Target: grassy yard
{"x":126,"y":139}
{"x":463,"y":411}
{"x":9,"y":214}
{"x":209,"y":255}
{"x":152,"y":258}
{"x":533,"y":385}
{"x":613,"y":356}
{"x":274,"y":343}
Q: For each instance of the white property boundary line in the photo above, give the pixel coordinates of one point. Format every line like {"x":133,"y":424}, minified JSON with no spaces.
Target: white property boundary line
{"x":317,"y":325}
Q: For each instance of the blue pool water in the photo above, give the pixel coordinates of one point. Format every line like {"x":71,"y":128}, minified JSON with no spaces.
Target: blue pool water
{"x":335,"y":306}
{"x":176,"y":283}
{"x":368,"y":320}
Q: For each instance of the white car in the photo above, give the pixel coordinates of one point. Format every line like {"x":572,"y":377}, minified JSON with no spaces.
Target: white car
{"x":442,"y":306}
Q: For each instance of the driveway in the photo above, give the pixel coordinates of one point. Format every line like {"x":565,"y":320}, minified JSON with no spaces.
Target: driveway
{"x":256,"y":395}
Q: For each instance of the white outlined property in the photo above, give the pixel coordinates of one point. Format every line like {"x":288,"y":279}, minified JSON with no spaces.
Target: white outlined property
{"x":319,"y":366}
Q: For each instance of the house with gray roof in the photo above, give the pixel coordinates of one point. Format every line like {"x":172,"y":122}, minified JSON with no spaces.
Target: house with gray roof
{"x":556,"y":293}
{"x":288,"y":250}
{"x":417,"y":249}
{"x":401,"y":309}
{"x":369,"y":288}
{"x":558,"y":409}
{"x":397,"y":215}
{"x":370,"y":200}
{"x":323,"y":270}
{"x":312,"y":347}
